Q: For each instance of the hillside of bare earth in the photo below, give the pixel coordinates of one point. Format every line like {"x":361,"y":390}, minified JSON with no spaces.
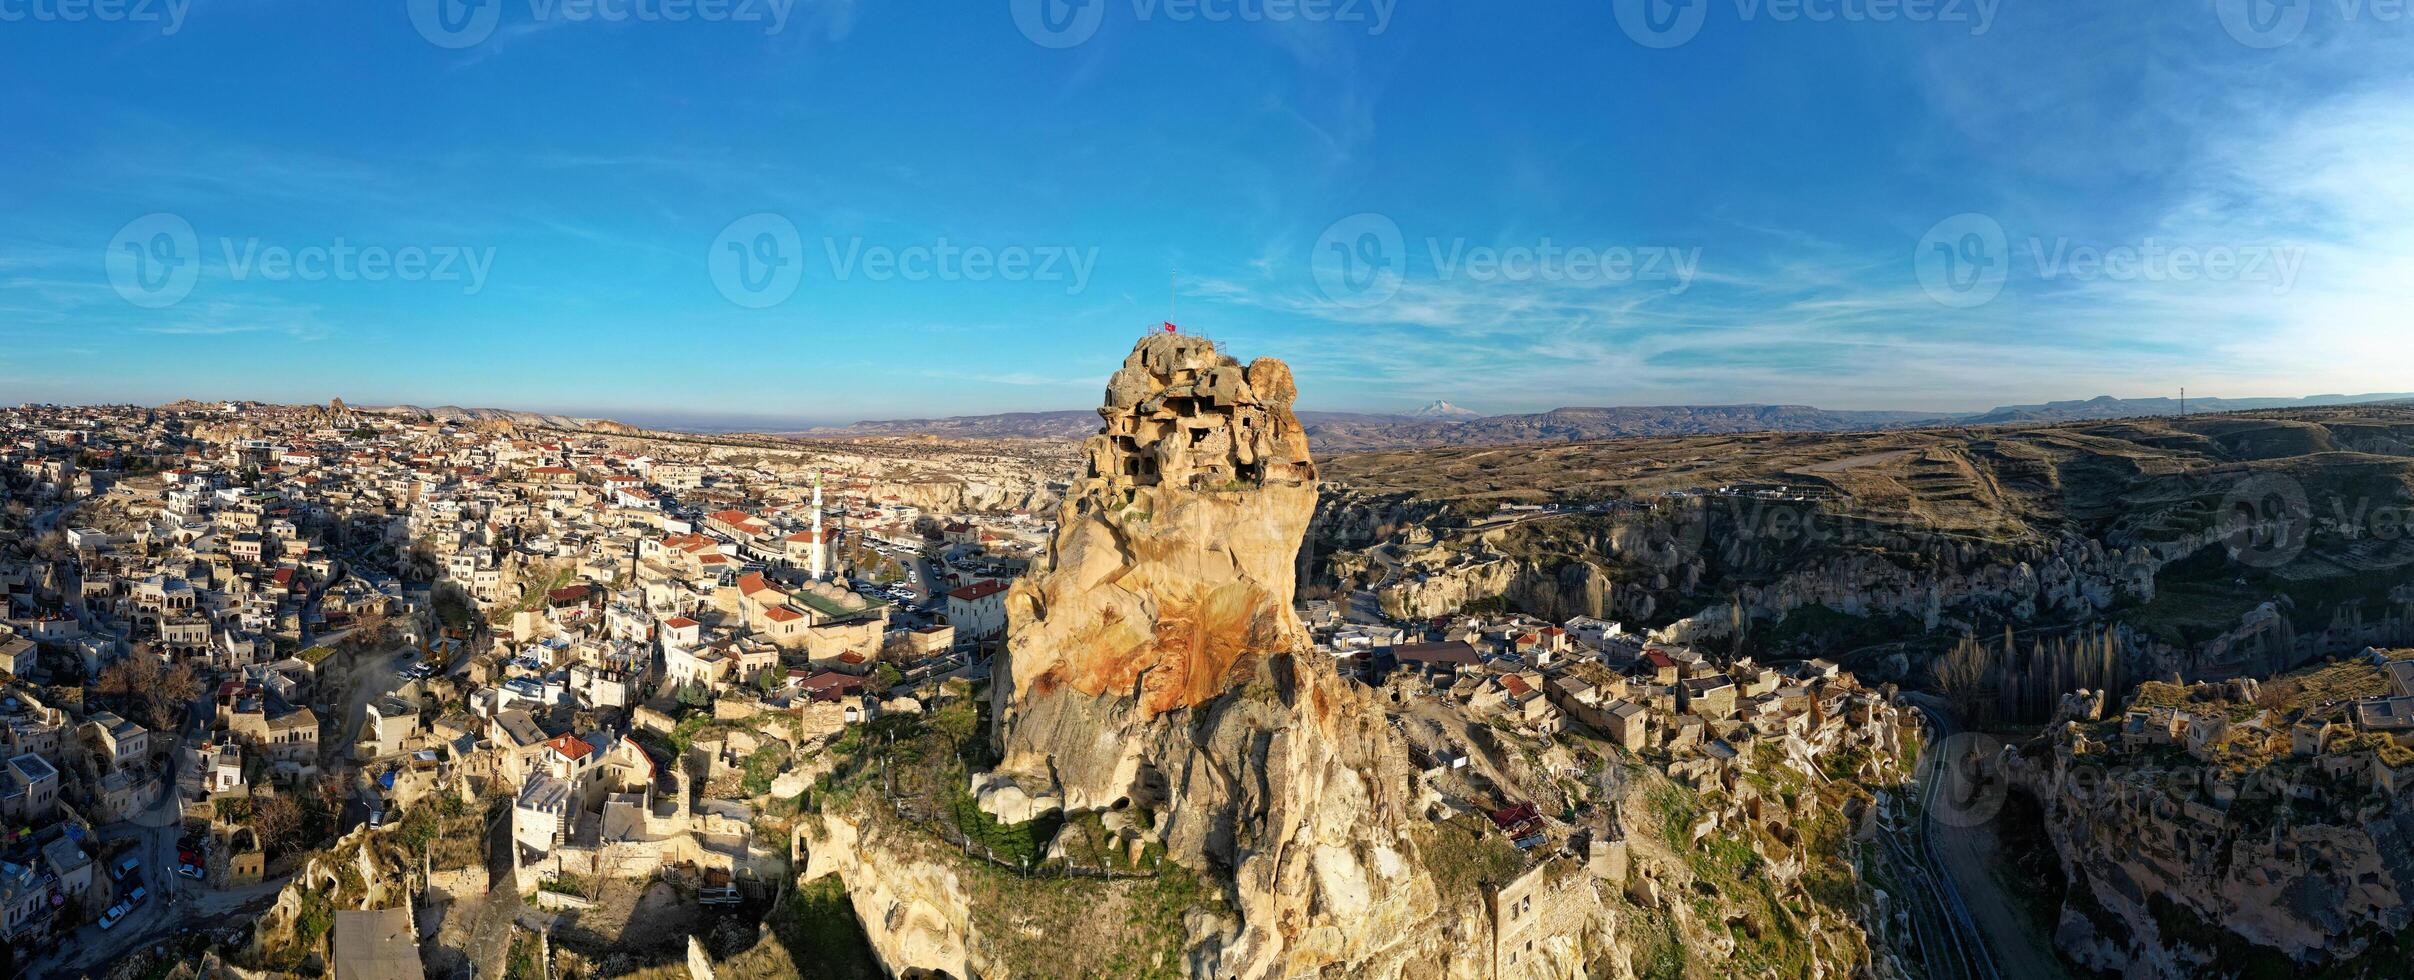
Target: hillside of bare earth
{"x":2178,"y":532}
{"x":1333,"y":432}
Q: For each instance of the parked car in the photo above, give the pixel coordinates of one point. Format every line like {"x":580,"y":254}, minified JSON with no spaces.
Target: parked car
{"x":110,"y":918}
{"x":126,"y":867}
{"x":136,"y":896}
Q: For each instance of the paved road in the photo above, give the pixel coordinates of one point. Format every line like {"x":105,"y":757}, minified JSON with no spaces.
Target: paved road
{"x":164,"y":912}
{"x":1366,"y":605}
{"x":46,"y":520}
{"x":310,"y":601}
{"x":1966,"y":858}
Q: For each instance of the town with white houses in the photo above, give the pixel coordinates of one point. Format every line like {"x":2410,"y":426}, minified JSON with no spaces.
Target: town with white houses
{"x":236,"y":633}
{"x":239,"y":632}
{"x":250,"y":647}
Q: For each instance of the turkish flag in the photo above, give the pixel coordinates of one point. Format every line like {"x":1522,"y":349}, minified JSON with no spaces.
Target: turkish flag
{"x":1170,"y":328}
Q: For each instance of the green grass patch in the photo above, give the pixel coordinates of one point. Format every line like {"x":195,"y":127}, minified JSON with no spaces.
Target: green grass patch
{"x":1465,"y":854}
{"x":1019,"y":845}
{"x":817,"y":923}
{"x":762,"y":766}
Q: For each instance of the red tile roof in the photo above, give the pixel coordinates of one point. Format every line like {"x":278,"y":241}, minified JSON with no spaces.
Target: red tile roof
{"x":830,"y":685}
{"x":978,"y":591}
{"x":1507,"y":817}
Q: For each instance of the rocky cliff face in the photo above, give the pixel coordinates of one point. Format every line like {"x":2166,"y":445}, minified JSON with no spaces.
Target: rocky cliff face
{"x":920,"y":910}
{"x":1151,"y":663}
{"x":1172,"y":566}
{"x":2237,"y":853}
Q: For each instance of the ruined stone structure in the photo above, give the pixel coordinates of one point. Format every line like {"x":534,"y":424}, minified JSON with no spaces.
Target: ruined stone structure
{"x":1173,"y":567}
{"x":1150,"y":662}
{"x":1181,"y":414}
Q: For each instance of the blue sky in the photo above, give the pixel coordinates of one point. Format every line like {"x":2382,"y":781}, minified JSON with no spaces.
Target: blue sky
{"x":978,"y":206}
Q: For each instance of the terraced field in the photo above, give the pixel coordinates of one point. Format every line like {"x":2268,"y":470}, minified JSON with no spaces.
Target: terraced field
{"x":2000,"y":482}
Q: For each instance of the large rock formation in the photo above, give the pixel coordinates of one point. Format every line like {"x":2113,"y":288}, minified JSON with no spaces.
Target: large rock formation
{"x":1172,"y":569}
{"x":1150,"y":663}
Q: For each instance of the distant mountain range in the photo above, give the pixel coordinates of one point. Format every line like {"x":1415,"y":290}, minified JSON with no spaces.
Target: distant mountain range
{"x":2108,"y":407}
{"x":1439,"y":424}
{"x":1444,"y":424}
{"x":455,"y":413}
{"x":1581,"y":424}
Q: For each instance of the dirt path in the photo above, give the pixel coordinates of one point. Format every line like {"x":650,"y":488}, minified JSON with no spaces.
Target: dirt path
{"x":1855,"y":462}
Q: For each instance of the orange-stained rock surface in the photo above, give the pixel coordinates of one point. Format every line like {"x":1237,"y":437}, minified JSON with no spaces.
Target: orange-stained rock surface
{"x":1155,"y":659}
{"x":1172,"y":568}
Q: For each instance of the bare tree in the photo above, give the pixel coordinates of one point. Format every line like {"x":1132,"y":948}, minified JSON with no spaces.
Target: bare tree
{"x":176,"y":690}
{"x":161,"y":693}
{"x":276,"y":819}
